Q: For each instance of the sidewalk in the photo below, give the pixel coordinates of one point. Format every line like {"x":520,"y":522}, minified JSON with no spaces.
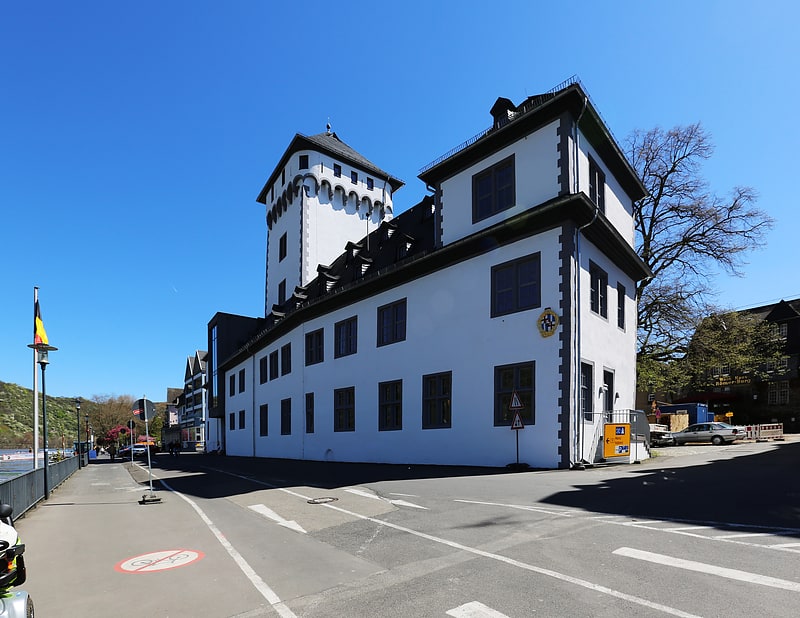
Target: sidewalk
{"x":78,"y":542}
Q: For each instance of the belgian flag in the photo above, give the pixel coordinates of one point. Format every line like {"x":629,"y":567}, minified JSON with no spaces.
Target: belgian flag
{"x":39,"y":334}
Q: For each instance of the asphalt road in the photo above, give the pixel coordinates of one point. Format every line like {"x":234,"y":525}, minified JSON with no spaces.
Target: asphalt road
{"x":695,"y":531}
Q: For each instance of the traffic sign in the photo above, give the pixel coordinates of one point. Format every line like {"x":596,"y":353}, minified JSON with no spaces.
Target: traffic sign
{"x":516,"y":402}
{"x":517,"y":422}
{"x":144,"y":409}
{"x":616,"y":440}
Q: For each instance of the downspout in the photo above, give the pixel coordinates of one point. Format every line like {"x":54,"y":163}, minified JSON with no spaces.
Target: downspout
{"x":579,"y":463}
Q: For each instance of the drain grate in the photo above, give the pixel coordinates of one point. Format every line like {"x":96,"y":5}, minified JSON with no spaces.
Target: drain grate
{"x":324,"y":500}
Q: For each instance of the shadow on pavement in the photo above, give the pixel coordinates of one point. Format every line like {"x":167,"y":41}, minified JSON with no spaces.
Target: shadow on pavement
{"x":757,"y":490}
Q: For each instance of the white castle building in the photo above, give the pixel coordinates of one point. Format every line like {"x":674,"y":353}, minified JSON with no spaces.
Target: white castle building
{"x":419,"y":338}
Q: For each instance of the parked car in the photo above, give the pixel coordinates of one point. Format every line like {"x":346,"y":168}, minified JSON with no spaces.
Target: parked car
{"x":139,"y":450}
{"x":716,"y":433}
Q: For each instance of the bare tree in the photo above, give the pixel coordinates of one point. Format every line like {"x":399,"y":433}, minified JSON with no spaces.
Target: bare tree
{"x":685,"y":234}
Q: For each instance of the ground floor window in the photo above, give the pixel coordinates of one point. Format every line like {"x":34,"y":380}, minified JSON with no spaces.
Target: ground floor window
{"x":778,"y":393}
{"x":263,"y":417}
{"x":390,"y":405}
{"x":309,"y":412}
{"x":436,"y":400}
{"x":344,"y":409}
{"x":241,"y":419}
{"x":511,"y":380}
{"x":232,"y":421}
{"x":587,"y":388}
{"x":286,"y":417}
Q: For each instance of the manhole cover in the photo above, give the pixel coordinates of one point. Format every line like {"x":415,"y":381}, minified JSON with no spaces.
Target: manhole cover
{"x":324,"y":500}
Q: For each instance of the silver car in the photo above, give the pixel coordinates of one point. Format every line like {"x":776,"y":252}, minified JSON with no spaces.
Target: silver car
{"x":716,"y":433}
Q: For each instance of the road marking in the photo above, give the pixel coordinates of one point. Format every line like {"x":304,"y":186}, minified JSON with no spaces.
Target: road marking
{"x":701,"y":567}
{"x":740,"y":535}
{"x":268,"y":512}
{"x":366,"y":494}
{"x":521,"y":507}
{"x":785,"y":545}
{"x":159,"y":561}
{"x":479,"y":552}
{"x":474,"y":609}
{"x":259,"y":584}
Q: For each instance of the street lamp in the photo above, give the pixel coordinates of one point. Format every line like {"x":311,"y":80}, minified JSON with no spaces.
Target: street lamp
{"x":78,"y":426}
{"x":41,"y":357}
{"x":87,"y":439}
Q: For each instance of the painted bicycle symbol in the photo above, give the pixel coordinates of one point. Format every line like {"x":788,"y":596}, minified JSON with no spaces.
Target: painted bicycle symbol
{"x":159,"y":561}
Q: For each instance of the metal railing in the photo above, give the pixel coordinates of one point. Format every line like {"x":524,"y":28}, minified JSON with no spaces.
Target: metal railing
{"x":26,"y":490}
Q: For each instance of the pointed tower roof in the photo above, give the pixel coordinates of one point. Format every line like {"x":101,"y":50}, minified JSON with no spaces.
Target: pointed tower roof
{"x":328,"y":143}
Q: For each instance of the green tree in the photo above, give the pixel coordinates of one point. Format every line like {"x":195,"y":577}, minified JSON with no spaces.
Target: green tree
{"x":731,"y":343}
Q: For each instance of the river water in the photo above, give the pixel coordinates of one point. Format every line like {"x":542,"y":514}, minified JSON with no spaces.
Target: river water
{"x":14,"y":462}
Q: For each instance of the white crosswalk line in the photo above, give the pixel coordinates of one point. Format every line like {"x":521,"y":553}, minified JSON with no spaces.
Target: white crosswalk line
{"x":269,"y":513}
{"x":474,"y":609}
{"x":701,"y":567}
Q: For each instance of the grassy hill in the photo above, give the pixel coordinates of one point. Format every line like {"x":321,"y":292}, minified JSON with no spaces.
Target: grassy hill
{"x":16,"y":418}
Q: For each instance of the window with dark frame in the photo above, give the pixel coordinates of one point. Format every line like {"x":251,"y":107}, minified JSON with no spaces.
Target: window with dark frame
{"x":597,"y":185}
{"x":344,"y":409}
{"x":232,"y":421}
{"x":493,"y":190}
{"x":241,"y":380}
{"x":232,"y":384}
{"x":392,"y":323}
{"x":303,"y":163}
{"x":309,"y":412}
{"x":437,"y":400}
{"x":286,"y":417}
{"x":282,"y":247}
{"x":354,"y":177}
{"x":621,"y":306}
{"x":370,"y":183}
{"x":337,"y":170}
{"x":598,"y":290}
{"x":263,"y":372}
{"x":282,"y":292}
{"x":346,"y":337}
{"x":315,"y":347}
{"x":241,"y":419}
{"x":390,"y":405}
{"x":286,"y":359}
{"x":587,"y":388}
{"x":508,"y":380}
{"x":273,"y":365}
{"x":608,"y":391}
{"x":263,"y":420}
{"x":516,"y":285}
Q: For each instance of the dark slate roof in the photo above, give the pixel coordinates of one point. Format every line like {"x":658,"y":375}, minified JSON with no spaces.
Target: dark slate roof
{"x":404,"y":248}
{"x":778,"y":312}
{"x":331,"y":144}
{"x":513,"y":122}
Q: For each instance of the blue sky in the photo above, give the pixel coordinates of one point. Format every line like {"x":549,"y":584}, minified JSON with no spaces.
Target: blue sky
{"x":137,"y":135}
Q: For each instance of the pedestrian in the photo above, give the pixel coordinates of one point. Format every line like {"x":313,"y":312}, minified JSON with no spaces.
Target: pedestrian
{"x":112,"y":450}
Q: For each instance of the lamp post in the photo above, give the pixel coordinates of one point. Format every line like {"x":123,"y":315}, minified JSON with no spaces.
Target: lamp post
{"x":78,"y":426}
{"x":87,"y":439}
{"x":41,"y":357}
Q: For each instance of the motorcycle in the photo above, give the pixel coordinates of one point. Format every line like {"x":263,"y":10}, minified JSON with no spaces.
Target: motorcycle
{"x":13,"y":604}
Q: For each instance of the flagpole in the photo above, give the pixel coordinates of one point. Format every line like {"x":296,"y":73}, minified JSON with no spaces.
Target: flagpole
{"x":35,"y":390}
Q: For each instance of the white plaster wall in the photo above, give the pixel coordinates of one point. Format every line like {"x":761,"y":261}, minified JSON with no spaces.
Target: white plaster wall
{"x":619,"y":206}
{"x":603,"y":343}
{"x":289,"y":268}
{"x":449,"y":329}
{"x":536,"y":175}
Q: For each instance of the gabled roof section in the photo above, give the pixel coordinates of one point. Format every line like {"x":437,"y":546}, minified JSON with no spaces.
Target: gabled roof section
{"x":784,"y":310}
{"x":330,"y":144}
{"x":195,"y":364}
{"x":512,"y":123}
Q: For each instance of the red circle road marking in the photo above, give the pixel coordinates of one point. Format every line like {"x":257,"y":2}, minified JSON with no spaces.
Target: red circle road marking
{"x":159,"y":561}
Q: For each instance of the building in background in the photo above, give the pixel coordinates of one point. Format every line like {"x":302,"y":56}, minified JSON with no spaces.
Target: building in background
{"x":505,"y":297}
{"x":771,"y":399}
{"x":192,"y":403}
